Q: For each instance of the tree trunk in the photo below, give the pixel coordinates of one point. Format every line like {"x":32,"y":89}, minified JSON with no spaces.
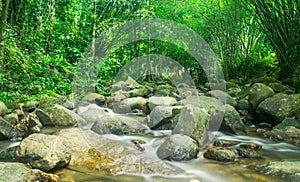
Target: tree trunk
{"x":3,"y":25}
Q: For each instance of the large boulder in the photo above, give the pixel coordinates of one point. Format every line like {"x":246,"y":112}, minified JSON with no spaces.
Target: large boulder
{"x":58,"y":116}
{"x":178,"y":147}
{"x":119,"y":125}
{"x":161,"y":101}
{"x":280,"y":106}
{"x":232,"y":121}
{"x":258,"y":93}
{"x":22,"y":172}
{"x":162,"y":115}
{"x":45,"y":152}
{"x":3,"y":109}
{"x":96,"y":152}
{"x":8,"y":131}
{"x":130,"y":104}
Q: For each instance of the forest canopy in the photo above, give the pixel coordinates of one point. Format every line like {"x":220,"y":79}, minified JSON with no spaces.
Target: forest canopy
{"x":41,"y":42}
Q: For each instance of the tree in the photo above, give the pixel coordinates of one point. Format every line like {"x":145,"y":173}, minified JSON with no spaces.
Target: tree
{"x":3,"y":24}
{"x":280,"y":22}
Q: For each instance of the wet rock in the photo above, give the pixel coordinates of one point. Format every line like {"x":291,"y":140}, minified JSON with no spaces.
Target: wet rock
{"x":12,"y":118}
{"x":45,"y":152}
{"x":258,"y":93}
{"x":162,"y":115}
{"x":58,"y":116}
{"x":224,"y":143}
{"x":288,"y":134}
{"x":161,"y":101}
{"x":8,"y":131}
{"x":178,"y":147}
{"x":220,"y":154}
{"x":223,"y":96}
{"x":130,"y":104}
{"x":232,"y":121}
{"x":289,"y":170}
{"x":69,"y":104}
{"x":247,"y":153}
{"x":279,"y":107}
{"x":119,"y":125}
{"x":288,"y":122}
{"x":3,"y":109}
{"x":22,"y":172}
{"x":250,"y":146}
{"x":95,"y":152}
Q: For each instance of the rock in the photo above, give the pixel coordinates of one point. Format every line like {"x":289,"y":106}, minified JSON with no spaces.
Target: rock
{"x":223,"y":96}
{"x":9,"y":154}
{"x":8,"y":131}
{"x":69,"y":104}
{"x":162,"y":115}
{"x":129,"y":104}
{"x":266,"y":80}
{"x":29,"y":107}
{"x":234,"y":92}
{"x":94,"y":98}
{"x":230,"y":84}
{"x":139,"y":92}
{"x":21,"y":172}
{"x":164,"y":90}
{"x":161,"y":101}
{"x":224,"y":143}
{"x":47,"y":102}
{"x":93,"y":115}
{"x":279,"y":88}
{"x":242,"y":104}
{"x":279,"y":107}
{"x":258,"y":93}
{"x":178,"y":147}
{"x":119,"y":125}
{"x":288,"y":134}
{"x":59,"y":116}
{"x":3,"y":109}
{"x":191,"y":122}
{"x":45,"y":152}
{"x":247,"y":153}
{"x":12,"y":118}
{"x":232,"y":121}
{"x":289,"y":170}
{"x":288,"y":122}
{"x":95,"y":152}
{"x":220,"y":154}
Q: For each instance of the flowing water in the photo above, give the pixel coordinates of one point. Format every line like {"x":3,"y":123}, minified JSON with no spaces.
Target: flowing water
{"x":200,"y":169}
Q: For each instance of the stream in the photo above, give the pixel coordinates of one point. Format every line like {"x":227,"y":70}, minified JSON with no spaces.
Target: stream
{"x":200,"y":169}
{"x":197,"y":170}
